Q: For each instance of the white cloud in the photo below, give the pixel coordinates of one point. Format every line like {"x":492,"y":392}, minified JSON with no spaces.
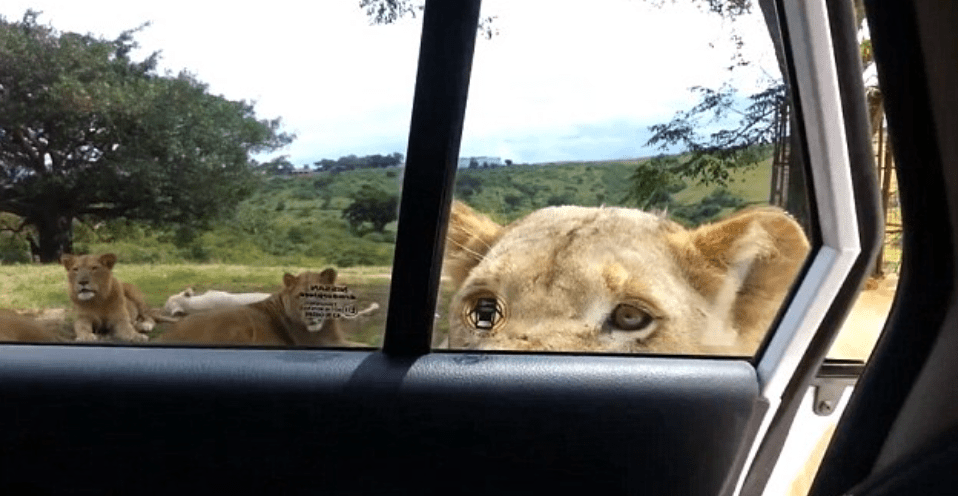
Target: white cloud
{"x":562,"y":80}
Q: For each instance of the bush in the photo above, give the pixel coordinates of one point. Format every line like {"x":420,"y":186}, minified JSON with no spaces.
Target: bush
{"x":13,"y":249}
{"x":371,"y":205}
{"x":196,"y":252}
{"x":467,"y":185}
{"x":564,"y":198}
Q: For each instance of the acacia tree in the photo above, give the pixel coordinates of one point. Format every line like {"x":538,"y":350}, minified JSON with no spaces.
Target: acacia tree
{"x":745,"y":123}
{"x":87,"y":132}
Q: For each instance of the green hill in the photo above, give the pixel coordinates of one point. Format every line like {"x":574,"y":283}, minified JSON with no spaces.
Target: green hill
{"x":508,"y":193}
{"x":299,"y":221}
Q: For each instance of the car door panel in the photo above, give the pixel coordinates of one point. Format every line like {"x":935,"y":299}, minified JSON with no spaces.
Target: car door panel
{"x":142,"y":421}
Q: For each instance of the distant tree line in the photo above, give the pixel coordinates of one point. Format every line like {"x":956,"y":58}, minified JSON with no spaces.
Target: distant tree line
{"x":352,"y":162}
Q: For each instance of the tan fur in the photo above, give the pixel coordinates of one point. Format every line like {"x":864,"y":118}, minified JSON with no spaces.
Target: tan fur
{"x":104,"y":304}
{"x":15,"y":327}
{"x":277,"y":320}
{"x":564,"y":276}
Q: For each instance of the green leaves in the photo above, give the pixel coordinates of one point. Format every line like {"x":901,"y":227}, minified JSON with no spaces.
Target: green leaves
{"x":371,"y":205}
{"x":85,"y":130}
{"x":712,"y":141}
{"x":652,"y":183}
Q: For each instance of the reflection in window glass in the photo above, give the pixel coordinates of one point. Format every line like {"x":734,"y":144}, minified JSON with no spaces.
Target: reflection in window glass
{"x":626,"y":183}
{"x":222,"y":175}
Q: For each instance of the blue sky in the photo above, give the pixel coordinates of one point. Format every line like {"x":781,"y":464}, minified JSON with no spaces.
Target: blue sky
{"x":561,"y":80}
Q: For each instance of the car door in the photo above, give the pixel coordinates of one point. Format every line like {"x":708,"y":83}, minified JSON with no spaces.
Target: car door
{"x":410,"y":419}
{"x":897,"y":435}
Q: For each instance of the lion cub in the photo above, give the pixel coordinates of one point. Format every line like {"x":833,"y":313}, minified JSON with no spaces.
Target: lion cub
{"x":618,"y":280}
{"x":285,"y":318}
{"x":103,"y":303}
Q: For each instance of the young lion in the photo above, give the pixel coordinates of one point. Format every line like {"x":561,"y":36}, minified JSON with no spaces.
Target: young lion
{"x":282,"y":319}
{"x":618,"y":280}
{"x":103,"y":303}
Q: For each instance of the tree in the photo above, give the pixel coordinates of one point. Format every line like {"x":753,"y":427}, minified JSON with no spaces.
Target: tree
{"x":652,"y":183}
{"x":87,"y":132}
{"x":710,"y":157}
{"x":278,"y":166}
{"x":371,"y":205}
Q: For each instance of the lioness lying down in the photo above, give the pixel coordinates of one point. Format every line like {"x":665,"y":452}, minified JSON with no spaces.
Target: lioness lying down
{"x":618,"y":280}
{"x":282,"y":319}
{"x":15,"y":327}
{"x":103,"y":304}
{"x":187,"y":301}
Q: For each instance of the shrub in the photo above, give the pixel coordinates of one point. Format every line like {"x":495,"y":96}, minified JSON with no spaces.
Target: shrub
{"x":13,"y":249}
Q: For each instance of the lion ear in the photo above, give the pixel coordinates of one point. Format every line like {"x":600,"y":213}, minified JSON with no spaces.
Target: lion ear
{"x":328,"y":275}
{"x":289,"y":279}
{"x":108,"y":259}
{"x":67,"y":261}
{"x":188,"y":292}
{"x":469,"y":238}
{"x":750,"y":261}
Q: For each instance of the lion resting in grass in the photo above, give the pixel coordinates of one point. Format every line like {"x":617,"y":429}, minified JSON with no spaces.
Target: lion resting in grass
{"x":618,"y":280}
{"x":15,"y":327}
{"x":285,"y":318}
{"x":103,"y":304}
{"x":187,"y":301}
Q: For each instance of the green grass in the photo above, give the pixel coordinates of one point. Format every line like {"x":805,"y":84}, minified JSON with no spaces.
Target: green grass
{"x":752,"y":185}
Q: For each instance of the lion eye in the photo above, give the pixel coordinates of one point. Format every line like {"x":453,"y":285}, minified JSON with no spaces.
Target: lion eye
{"x":485,"y":313}
{"x":627,"y":317}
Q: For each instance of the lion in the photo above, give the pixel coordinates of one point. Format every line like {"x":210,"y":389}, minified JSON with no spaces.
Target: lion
{"x":621,"y":280}
{"x":288,"y":317}
{"x":104,"y":305}
{"x":187,"y":301}
{"x":16,"y":327}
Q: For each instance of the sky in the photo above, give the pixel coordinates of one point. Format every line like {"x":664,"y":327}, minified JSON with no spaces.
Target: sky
{"x":559,"y":81}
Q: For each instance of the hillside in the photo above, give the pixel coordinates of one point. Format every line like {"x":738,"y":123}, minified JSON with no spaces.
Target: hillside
{"x":299,"y":220}
{"x":507,"y":193}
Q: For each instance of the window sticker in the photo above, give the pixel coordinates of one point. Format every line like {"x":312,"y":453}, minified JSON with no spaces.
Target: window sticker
{"x":329,"y":302}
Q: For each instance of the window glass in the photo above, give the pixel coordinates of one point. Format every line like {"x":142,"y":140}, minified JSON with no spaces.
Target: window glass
{"x":214,"y":159}
{"x":867,"y":317}
{"x":628,"y":182}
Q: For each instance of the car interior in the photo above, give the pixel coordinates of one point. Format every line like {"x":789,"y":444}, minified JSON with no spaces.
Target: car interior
{"x":410,"y":418}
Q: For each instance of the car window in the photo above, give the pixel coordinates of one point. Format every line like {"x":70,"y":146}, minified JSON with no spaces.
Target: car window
{"x":211,"y":159}
{"x":621,"y":189}
{"x":870,"y":310}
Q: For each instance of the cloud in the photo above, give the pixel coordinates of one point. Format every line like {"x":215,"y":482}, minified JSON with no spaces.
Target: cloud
{"x":562,"y":80}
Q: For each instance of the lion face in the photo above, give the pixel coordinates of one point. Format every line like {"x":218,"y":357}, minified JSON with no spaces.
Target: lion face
{"x":306,"y":298}
{"x":89,"y":275}
{"x":617,"y":280}
{"x":174,"y":304}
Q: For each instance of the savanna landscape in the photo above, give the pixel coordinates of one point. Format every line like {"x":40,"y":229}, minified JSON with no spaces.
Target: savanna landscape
{"x":298,"y":222}
{"x":104,"y":153}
